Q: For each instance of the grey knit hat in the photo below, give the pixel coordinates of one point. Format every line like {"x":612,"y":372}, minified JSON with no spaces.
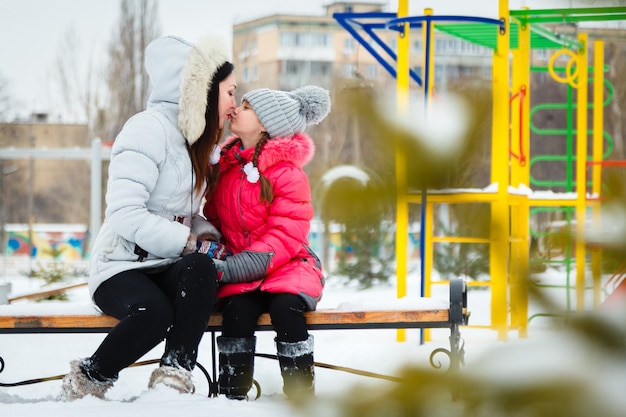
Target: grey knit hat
{"x":287,"y":113}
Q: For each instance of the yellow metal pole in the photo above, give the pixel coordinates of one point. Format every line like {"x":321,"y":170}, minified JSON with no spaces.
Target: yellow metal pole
{"x":428,"y":250}
{"x":402,"y":209}
{"x":581,"y":159}
{"x":598,"y":130}
{"x":523,"y":271}
{"x":520,"y":175}
{"x":428,"y":255}
{"x":520,"y":121}
{"x":498,"y":249}
{"x":428,"y":78}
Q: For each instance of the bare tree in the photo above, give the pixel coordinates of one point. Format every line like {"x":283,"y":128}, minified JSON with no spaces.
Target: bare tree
{"x":5,"y":97}
{"x":78,"y":83}
{"x":126,"y":79}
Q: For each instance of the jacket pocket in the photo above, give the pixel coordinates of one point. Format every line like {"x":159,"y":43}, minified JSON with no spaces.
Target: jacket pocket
{"x":119,"y":250}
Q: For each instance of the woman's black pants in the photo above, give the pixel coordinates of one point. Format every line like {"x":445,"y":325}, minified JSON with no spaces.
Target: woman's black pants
{"x":172,"y":304}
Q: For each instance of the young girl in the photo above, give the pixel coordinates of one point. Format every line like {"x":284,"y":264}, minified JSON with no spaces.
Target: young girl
{"x":262,"y":206}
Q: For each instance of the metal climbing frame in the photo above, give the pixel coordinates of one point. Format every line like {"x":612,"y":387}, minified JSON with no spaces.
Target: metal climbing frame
{"x":516,"y":32}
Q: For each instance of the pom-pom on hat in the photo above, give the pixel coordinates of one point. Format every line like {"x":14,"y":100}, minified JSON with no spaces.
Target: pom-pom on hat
{"x":287,"y":113}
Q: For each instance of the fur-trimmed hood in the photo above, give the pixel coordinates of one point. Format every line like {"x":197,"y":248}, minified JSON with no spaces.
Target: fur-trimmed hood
{"x":181,"y":73}
{"x":298,"y":149}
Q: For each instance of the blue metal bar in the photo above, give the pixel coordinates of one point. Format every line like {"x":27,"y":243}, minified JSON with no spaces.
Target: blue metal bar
{"x":343,"y":18}
{"x":398,"y":24}
{"x":427,"y":53}
{"x":347,"y":20}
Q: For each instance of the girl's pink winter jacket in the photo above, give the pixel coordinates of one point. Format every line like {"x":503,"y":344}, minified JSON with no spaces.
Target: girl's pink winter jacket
{"x":280,"y":228}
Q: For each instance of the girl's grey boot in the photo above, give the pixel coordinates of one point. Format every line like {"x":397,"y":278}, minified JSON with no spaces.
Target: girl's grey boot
{"x":297,"y":368}
{"x":236,"y":356}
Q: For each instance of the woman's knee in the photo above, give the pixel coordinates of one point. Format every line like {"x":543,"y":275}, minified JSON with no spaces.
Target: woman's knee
{"x":200,"y":269}
{"x":132,"y":294}
{"x":153,"y":314}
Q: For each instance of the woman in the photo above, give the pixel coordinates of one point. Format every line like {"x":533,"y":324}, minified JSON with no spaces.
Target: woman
{"x":262,"y":205}
{"x":144,"y":268}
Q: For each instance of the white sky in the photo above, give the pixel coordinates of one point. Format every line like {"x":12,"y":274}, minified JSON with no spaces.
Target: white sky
{"x":31,"y":31}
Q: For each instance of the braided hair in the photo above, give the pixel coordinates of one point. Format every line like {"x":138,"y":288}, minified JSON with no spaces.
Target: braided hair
{"x":267,"y":191}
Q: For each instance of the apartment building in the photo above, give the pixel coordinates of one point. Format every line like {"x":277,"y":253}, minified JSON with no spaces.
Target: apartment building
{"x":286,"y":51}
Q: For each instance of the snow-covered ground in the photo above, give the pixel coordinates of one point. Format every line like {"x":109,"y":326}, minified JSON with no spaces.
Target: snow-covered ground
{"x":378,"y":351}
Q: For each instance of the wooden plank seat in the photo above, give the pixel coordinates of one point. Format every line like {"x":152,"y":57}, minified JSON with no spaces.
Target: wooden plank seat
{"x":316,"y":320}
{"x":452,"y":317}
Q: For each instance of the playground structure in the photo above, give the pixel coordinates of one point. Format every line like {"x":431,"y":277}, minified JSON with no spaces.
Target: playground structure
{"x":512,"y":37}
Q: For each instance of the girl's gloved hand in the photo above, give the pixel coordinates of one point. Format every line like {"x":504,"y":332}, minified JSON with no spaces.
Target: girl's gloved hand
{"x":215,"y":250}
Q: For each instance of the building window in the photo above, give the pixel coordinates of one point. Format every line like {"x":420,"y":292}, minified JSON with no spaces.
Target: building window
{"x":250,"y":74}
{"x":319,"y":39}
{"x":320,"y":69}
{"x":291,"y":68}
{"x":417,"y":46}
{"x":305,"y":39}
{"x":439,"y":69}
{"x":440,"y":46}
{"x":287,"y":39}
{"x":349,"y":70}
{"x":349,"y":46}
{"x":453,"y":72}
{"x":466,"y":71}
{"x":452,"y":45}
{"x":372,"y":71}
{"x":251,"y":47}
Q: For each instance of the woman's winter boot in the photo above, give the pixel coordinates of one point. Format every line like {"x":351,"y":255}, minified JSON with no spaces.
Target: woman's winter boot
{"x":176,"y":378}
{"x":297,"y":368}
{"x":77,"y":384}
{"x":236,"y":357}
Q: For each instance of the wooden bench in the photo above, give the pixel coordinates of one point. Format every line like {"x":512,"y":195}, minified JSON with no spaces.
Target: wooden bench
{"x":330,"y":319}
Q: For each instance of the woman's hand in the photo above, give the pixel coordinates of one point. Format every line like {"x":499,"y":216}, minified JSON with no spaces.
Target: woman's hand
{"x":191,"y":246}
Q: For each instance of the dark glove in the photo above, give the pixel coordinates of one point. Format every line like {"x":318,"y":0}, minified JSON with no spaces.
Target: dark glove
{"x":215,"y":250}
{"x":243,"y":267}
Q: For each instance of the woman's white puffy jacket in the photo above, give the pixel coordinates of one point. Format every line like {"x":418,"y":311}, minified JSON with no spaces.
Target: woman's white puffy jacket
{"x":151,"y":179}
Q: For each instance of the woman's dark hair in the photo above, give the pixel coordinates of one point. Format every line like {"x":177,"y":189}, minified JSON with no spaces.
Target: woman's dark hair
{"x":201,"y":150}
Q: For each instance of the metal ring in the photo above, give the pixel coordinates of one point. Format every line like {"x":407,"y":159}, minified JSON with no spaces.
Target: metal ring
{"x":571,"y":76}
